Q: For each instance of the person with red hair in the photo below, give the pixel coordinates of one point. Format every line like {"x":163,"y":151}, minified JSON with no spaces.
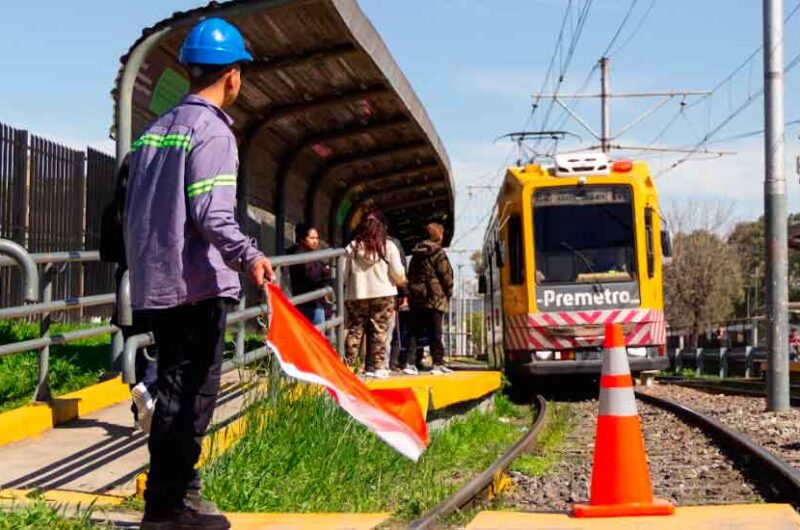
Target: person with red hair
{"x":373,"y":271}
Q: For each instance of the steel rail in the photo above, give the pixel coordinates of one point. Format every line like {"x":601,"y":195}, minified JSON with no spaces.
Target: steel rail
{"x":783,"y":477}
{"x":727,"y":388}
{"x":480,"y":484}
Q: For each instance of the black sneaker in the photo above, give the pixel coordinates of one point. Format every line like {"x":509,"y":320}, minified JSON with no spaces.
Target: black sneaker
{"x":183,"y":518}
{"x":193,"y":500}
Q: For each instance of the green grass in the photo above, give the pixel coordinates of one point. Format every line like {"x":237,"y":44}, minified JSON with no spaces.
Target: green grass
{"x":40,"y":515}
{"x":560,"y":422}
{"x":72,"y":366}
{"x":307,"y":455}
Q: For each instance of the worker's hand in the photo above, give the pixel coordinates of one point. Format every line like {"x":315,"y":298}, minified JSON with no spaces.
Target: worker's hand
{"x":261,"y":273}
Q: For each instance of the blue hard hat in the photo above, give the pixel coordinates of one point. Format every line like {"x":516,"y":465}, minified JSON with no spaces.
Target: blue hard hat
{"x":214,"y":41}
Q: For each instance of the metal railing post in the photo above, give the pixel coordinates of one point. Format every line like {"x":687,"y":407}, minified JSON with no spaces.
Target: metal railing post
{"x":239,"y":334}
{"x":42,"y":391}
{"x":698,"y":362}
{"x":748,"y":361}
{"x":28,"y":266}
{"x":124,"y":318}
{"x":723,"y":362}
{"x":340,"y":263}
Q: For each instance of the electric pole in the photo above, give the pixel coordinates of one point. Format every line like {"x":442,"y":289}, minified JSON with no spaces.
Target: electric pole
{"x":775,"y":233}
{"x":605,"y":136}
{"x":605,"y":106}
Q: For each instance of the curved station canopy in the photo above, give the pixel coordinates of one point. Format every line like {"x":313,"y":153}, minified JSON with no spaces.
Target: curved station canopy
{"x":328,"y":126}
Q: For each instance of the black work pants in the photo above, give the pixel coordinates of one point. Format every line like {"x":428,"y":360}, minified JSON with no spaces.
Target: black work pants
{"x":425,"y":321}
{"x":190,"y":342}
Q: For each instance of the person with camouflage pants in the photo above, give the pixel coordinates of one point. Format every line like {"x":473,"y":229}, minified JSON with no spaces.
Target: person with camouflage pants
{"x":372,"y":273}
{"x":378,"y":313}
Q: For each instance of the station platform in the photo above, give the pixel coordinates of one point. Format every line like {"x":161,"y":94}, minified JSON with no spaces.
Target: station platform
{"x":436,"y":392}
{"x":100,"y":453}
{"x":729,"y":517}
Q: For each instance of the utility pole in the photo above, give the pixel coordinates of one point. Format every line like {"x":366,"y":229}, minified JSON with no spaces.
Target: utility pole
{"x":605,"y":106}
{"x":776,"y":233}
{"x":605,"y":136}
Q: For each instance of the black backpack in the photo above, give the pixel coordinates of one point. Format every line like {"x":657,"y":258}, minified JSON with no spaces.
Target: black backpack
{"x":112,"y":245}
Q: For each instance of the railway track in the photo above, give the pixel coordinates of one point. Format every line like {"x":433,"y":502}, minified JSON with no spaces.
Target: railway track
{"x":481,"y":486}
{"x":739,"y":387}
{"x":778,"y":479}
{"x":693,"y":459}
{"x":686,"y":466}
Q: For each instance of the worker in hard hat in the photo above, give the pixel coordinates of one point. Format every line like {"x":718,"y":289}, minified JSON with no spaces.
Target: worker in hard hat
{"x":185,"y":250}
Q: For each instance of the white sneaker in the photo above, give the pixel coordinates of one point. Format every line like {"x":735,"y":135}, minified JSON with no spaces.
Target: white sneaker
{"x":441,"y":369}
{"x":410,"y":370}
{"x":383,"y":373}
{"x":145,"y":406}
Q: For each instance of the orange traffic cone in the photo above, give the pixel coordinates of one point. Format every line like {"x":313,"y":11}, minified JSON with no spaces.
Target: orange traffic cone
{"x":620,"y":479}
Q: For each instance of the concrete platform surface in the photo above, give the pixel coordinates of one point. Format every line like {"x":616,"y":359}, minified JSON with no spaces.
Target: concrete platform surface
{"x":730,"y":517}
{"x":97,"y":453}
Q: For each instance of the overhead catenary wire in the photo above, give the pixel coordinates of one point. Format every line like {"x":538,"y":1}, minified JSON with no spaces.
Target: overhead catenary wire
{"x":637,"y":27}
{"x":565,"y":63}
{"x":609,"y":51}
{"x":620,"y":27}
{"x":746,"y":63}
{"x":741,"y":108}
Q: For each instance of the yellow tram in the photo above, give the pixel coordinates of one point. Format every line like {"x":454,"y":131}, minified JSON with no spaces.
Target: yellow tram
{"x":570,"y":248}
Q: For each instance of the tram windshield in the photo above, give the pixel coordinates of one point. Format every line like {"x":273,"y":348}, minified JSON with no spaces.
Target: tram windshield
{"x":584,"y":234}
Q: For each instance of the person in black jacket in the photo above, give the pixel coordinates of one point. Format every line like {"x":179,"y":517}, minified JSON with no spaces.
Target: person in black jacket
{"x":112,"y":250}
{"x":307,"y":277}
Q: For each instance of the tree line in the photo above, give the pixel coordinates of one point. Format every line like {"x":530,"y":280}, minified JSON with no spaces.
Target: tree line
{"x":716,"y":274}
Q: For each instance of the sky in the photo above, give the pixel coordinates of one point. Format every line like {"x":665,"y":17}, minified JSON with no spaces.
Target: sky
{"x":475,"y":65}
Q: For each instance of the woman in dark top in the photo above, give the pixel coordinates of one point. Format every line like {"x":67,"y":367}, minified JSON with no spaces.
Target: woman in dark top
{"x":307,"y":277}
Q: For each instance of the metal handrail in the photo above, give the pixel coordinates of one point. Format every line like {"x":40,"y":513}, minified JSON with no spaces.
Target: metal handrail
{"x":142,"y":340}
{"x":68,"y":303}
{"x":123,"y":351}
{"x":17,"y":255}
{"x":72,"y":256}
{"x":61,"y":338}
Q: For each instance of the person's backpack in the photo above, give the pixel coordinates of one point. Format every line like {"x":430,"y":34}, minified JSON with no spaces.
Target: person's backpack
{"x":421,"y":274}
{"x":112,"y":245}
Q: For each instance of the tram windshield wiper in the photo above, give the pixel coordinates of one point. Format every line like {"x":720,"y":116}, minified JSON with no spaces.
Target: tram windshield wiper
{"x":595,"y":282}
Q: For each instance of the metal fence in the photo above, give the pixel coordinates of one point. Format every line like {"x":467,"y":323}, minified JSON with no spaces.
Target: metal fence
{"x":122,"y":352}
{"x":51,"y":198}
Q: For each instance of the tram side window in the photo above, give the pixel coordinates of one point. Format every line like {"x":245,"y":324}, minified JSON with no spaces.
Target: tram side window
{"x":648,"y":229}
{"x":516,"y":255}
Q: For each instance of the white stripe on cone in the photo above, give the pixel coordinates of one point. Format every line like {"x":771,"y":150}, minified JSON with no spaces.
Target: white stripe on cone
{"x":615,"y":361}
{"x":617,"y":402}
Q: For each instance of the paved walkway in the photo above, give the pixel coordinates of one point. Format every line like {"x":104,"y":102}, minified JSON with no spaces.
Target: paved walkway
{"x":99,"y":453}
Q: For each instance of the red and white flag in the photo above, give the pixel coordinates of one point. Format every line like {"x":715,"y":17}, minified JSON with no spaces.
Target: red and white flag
{"x":392,"y":414}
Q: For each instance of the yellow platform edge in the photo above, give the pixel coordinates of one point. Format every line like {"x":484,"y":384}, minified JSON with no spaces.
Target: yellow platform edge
{"x":36,"y":418}
{"x":738,"y":516}
{"x":303,"y":521}
{"x":61,"y":497}
{"x":449,"y":389}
